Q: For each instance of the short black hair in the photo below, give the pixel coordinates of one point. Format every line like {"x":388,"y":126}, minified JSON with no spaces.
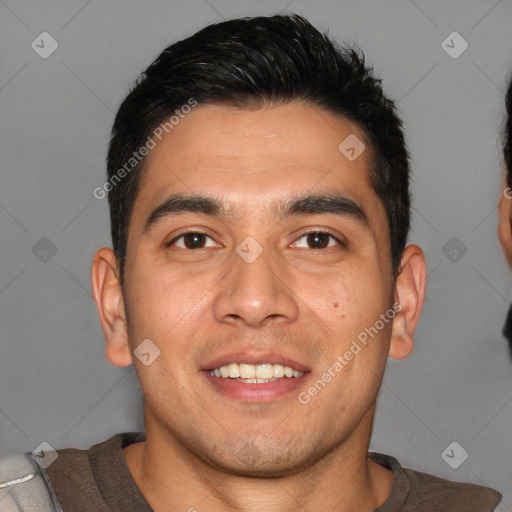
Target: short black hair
{"x":251,"y":62}
{"x":507,"y":148}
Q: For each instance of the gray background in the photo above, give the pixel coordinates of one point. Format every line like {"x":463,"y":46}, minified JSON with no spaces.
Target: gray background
{"x":56,"y":113}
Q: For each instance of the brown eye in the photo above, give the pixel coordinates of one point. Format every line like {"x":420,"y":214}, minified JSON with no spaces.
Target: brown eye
{"x":318,"y":240}
{"x":191,"y":241}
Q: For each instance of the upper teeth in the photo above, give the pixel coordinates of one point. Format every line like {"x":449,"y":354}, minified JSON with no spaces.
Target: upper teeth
{"x":252,"y":371}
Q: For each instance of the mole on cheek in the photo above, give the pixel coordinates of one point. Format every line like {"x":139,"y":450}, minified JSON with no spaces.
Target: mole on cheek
{"x":335,"y":304}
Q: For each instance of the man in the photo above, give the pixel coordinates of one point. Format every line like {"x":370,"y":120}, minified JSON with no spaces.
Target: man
{"x":259,"y":279}
{"x":505,"y":203}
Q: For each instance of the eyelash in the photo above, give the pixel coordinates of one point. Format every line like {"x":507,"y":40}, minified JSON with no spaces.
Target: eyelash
{"x":306,"y":233}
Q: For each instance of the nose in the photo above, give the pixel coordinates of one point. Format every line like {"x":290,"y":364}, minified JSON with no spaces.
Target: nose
{"x":255,"y":293}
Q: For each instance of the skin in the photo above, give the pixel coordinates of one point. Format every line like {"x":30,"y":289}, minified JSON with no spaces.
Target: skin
{"x":505,"y":222}
{"x":213,"y":452}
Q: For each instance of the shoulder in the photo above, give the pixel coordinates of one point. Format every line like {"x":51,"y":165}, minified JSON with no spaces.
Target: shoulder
{"x":453,"y":496}
{"x":36,"y":481}
{"x":23,"y":486}
{"x":418,"y":491}
{"x":90,"y":478}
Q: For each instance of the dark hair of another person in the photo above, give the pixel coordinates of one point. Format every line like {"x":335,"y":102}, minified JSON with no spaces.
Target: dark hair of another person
{"x":253,"y":62}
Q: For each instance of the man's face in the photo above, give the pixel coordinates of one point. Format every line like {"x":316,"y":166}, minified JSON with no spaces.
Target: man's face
{"x":253,"y":287}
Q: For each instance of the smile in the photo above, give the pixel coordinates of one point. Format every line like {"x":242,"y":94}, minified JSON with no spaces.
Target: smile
{"x":255,"y":373}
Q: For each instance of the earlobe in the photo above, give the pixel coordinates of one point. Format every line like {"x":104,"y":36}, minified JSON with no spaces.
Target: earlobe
{"x":410,"y":288}
{"x":108,"y":297}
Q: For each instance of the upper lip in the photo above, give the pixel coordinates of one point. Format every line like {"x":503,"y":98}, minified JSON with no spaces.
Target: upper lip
{"x":255,"y":358}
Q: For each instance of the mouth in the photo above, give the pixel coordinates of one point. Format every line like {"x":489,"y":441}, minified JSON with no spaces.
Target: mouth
{"x":255,"y":373}
{"x":250,"y":379}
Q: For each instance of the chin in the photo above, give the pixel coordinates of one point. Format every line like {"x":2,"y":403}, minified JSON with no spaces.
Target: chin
{"x":269,"y":469}
{"x":268,"y":462}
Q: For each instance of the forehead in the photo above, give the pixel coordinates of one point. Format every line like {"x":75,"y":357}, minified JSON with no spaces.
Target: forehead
{"x":254,"y":159}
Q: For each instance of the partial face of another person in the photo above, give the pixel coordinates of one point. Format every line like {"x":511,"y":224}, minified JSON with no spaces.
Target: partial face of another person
{"x":505,"y":201}
{"x":505,"y":223}
{"x":261,"y":282}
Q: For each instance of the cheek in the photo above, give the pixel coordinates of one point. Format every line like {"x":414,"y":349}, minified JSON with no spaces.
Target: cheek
{"x":351,"y":300}
{"x":167,"y":305}
{"x":504,"y":227}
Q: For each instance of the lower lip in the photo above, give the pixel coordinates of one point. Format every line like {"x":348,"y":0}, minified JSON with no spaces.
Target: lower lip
{"x":263,"y":392}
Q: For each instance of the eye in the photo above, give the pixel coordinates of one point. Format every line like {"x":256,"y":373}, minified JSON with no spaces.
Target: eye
{"x":191,"y":240}
{"x":318,"y":239}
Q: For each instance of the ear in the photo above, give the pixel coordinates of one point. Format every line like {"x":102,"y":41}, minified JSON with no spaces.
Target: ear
{"x":410,"y":288}
{"x":505,"y":223}
{"x":108,"y":296}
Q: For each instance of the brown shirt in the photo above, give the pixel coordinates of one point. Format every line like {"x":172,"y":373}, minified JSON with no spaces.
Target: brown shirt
{"x":98,"y":480}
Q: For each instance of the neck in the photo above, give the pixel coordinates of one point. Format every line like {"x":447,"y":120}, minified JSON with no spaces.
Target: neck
{"x":343,"y":480}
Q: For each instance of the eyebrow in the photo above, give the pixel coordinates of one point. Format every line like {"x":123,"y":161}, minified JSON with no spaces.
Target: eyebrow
{"x":334,"y":204}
